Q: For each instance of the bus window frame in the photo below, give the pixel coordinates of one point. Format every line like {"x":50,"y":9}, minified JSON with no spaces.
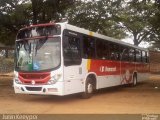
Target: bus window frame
{"x":76,"y":35}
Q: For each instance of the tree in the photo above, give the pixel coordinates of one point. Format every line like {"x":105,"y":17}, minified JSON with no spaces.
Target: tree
{"x":36,"y":6}
{"x":135,"y":17}
{"x":47,"y":10}
{"x":114,"y":18}
{"x":13,"y":15}
{"x":97,"y":16}
{"x":154,"y":21}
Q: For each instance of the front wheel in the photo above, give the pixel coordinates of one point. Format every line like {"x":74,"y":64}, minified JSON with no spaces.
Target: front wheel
{"x":89,"y":88}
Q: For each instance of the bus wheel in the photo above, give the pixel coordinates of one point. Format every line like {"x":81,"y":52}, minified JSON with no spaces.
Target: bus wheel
{"x":89,"y":88}
{"x":134,"y":83}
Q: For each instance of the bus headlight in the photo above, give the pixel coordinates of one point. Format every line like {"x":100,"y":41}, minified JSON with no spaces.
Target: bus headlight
{"x":16,"y":78}
{"x":54,"y":79}
{"x":17,"y":81}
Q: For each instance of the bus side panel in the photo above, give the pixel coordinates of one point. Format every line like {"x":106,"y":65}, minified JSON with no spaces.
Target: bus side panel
{"x":108,"y":81}
{"x":108,"y":72}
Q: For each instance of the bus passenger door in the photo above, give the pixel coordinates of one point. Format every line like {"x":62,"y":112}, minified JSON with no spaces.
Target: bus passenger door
{"x":72,"y":62}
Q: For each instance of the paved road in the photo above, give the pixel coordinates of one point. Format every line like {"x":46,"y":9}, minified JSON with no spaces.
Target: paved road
{"x":144,"y":98}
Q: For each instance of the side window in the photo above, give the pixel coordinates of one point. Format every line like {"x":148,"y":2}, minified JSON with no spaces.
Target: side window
{"x":124,"y":54}
{"x":147,"y":55}
{"x":131,"y":54}
{"x":102,"y":49}
{"x":114,"y":51}
{"x":71,"y":50}
{"x":88,"y":47}
{"x":144,"y":57}
{"x":138,"y":56}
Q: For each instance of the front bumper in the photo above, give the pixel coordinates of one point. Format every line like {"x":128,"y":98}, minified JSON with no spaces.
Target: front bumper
{"x":55,"y":89}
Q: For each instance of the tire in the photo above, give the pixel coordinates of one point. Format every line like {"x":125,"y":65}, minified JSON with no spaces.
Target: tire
{"x":134,"y":83}
{"x":89,"y":89}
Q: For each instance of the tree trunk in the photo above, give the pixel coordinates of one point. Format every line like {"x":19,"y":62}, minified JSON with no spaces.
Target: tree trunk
{"x":55,"y":8}
{"x":34,"y":10}
{"x":135,"y":40}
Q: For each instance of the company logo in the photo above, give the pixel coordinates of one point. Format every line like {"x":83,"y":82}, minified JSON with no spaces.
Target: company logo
{"x":107,"y":69}
{"x":33,"y":82}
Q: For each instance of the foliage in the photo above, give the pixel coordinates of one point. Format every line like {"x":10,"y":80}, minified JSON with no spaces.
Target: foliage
{"x":97,"y":16}
{"x":156,"y":27}
{"x":47,"y":10}
{"x":135,"y":19}
{"x":13,"y":15}
{"x":114,"y":18}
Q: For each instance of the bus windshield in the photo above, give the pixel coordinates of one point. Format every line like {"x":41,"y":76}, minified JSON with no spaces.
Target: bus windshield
{"x":38,"y":54}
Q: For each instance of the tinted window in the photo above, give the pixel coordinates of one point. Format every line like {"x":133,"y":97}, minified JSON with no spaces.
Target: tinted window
{"x":124,"y":54}
{"x":89,"y":47}
{"x":138,"y":56}
{"x":102,"y":49}
{"x":114,"y":51}
{"x":144,"y":56}
{"x":72,"y":54}
{"x":147,"y":55}
{"x":131,"y":54}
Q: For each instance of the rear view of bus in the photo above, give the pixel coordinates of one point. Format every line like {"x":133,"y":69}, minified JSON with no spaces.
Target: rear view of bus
{"x":38,"y":60}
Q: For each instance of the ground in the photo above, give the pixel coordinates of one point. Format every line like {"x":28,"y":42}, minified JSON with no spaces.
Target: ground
{"x":144,"y":98}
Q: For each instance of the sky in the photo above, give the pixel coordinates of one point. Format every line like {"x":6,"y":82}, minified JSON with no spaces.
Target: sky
{"x":142,"y":44}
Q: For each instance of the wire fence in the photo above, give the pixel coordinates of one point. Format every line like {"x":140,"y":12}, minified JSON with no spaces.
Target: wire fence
{"x":154,"y":62}
{"x":6,"y":60}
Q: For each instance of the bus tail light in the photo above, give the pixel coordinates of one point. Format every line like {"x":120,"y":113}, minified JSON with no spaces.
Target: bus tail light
{"x":54,"y":79}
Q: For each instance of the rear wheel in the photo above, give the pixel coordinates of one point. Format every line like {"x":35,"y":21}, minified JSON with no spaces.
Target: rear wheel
{"x":89,"y":89}
{"x":134,"y":83}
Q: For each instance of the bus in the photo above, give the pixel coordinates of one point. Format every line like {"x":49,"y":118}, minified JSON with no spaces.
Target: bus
{"x":62,"y":59}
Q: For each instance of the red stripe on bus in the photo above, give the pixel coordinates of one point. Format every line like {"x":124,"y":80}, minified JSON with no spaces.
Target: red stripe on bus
{"x":38,"y":78}
{"x":108,"y":67}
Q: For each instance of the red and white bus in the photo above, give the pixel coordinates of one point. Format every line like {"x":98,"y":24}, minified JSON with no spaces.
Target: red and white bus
{"x":62,"y":59}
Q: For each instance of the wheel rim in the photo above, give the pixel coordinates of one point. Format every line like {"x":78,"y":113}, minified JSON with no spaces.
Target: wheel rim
{"x":90,"y":88}
{"x":135,"y":81}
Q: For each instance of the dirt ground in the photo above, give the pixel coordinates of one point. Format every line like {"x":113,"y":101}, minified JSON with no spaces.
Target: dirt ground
{"x":144,"y":98}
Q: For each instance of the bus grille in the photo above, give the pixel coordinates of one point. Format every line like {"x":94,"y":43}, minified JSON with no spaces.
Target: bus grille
{"x":38,"y":78}
{"x":34,"y":88}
